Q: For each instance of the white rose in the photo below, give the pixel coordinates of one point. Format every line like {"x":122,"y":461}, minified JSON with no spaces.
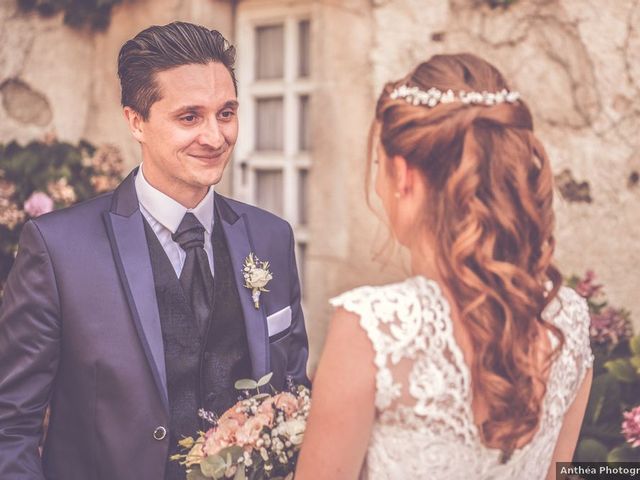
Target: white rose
{"x":294,"y":430}
{"x":259,"y":278}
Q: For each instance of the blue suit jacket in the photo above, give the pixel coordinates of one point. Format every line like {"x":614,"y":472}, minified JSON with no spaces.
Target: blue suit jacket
{"x":79,"y":327}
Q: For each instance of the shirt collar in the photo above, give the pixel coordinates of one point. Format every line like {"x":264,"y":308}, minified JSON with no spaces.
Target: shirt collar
{"x":169,"y":212}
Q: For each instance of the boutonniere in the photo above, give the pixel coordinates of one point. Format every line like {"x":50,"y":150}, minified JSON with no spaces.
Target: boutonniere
{"x":256,"y":276}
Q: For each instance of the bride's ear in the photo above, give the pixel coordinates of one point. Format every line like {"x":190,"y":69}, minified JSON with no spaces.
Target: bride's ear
{"x":405,"y":176}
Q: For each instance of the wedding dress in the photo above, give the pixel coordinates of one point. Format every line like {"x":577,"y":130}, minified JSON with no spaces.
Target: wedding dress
{"x":424,"y":427}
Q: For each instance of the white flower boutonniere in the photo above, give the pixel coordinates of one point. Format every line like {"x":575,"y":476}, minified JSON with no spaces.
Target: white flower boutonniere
{"x":256,"y":276}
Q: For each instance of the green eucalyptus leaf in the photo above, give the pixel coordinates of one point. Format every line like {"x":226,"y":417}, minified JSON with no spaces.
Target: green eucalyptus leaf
{"x":196,"y":474}
{"x":622,"y":369}
{"x":231,"y":454}
{"x":240,"y":473}
{"x":624,"y":453}
{"x":634,"y":345}
{"x":213,"y":466}
{"x":590,"y":450}
{"x":246,"y":384}
{"x":264,"y":380}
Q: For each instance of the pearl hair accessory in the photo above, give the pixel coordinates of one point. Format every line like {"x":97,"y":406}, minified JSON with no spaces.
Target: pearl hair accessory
{"x":433,"y":96}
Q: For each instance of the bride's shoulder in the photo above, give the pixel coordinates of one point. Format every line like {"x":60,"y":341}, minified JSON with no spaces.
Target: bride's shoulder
{"x":568,"y":309}
{"x":569,"y":312}
{"x":390,"y":293}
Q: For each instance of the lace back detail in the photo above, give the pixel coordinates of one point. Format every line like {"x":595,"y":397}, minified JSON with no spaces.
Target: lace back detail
{"x":423,"y":386}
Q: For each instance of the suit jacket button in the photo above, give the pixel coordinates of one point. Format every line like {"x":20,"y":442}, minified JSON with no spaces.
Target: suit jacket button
{"x":159,"y":433}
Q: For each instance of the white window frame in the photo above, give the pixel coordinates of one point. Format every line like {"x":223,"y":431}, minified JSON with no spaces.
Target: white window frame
{"x":290,"y":88}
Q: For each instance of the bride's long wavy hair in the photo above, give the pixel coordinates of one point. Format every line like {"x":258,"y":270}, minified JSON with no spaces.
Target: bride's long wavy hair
{"x":490,"y":211}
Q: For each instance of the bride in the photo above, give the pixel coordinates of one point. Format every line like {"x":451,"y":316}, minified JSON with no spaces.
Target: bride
{"x":479,"y":365}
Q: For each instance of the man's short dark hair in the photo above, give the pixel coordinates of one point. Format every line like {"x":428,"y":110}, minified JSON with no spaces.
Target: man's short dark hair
{"x":160,"y":48}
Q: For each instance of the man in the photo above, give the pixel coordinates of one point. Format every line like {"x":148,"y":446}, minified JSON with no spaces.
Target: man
{"x":129,"y":312}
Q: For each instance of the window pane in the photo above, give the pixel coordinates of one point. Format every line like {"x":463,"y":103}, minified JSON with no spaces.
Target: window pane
{"x":302,"y":197}
{"x":269,"y":190}
{"x":269,"y":52}
{"x":269,"y":124}
{"x":304,"y":132}
{"x":304,"y":48}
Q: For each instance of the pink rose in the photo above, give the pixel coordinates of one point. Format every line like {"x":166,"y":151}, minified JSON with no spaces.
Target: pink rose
{"x":224,"y":435}
{"x":235,"y":413}
{"x":38,"y":204}
{"x":250,"y":432}
{"x":286,"y":402}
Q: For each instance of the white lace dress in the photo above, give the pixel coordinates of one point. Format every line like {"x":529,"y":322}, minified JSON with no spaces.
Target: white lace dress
{"x":424,"y":427}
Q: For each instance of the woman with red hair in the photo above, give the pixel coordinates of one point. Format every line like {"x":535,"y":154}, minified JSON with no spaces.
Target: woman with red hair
{"x":478,"y":366}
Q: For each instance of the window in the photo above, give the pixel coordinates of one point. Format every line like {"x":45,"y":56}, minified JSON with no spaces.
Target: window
{"x":273,"y":153}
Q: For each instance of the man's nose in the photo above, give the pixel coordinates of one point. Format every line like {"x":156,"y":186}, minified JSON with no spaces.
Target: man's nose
{"x":211,"y":136}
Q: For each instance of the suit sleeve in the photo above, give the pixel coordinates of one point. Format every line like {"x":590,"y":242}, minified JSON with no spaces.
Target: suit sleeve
{"x":299,"y":348}
{"x":29,"y":351}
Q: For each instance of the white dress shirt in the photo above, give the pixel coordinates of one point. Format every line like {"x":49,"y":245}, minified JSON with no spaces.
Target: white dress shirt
{"x":164,"y":215}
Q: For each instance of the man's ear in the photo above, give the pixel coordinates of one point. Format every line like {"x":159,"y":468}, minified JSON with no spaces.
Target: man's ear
{"x":135,"y":122}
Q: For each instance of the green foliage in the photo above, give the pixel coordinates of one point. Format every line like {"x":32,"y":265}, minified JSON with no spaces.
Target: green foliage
{"x":590,"y":450}
{"x":624,"y":453}
{"x":616,"y":382}
{"x":95,"y":14}
{"x":60,"y":172}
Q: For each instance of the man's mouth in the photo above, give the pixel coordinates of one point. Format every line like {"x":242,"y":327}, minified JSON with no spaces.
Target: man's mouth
{"x":209,"y":156}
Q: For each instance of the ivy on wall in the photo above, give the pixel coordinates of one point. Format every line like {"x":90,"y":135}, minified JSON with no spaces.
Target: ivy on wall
{"x":94,"y":14}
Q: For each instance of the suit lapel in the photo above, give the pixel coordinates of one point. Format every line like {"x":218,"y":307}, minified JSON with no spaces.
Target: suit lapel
{"x":240,"y":245}
{"x":125,"y":228}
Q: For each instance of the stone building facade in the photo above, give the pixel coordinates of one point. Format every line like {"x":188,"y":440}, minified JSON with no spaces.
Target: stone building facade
{"x":575,"y":62}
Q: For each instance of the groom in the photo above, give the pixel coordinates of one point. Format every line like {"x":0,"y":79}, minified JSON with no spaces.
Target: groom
{"x":129,"y":312}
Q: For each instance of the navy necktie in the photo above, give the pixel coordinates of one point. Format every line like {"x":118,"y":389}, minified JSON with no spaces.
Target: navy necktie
{"x":195,"y":278}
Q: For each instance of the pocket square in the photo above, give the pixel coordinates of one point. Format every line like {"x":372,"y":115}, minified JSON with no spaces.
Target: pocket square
{"x":279,"y":321}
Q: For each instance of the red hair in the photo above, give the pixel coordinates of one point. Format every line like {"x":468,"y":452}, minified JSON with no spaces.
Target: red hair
{"x":490,"y":210}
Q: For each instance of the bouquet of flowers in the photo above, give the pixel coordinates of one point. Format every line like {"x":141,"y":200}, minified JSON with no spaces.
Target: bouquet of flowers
{"x":259,"y":437}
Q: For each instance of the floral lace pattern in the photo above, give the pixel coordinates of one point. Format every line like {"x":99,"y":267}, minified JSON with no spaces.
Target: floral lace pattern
{"x":424,"y":426}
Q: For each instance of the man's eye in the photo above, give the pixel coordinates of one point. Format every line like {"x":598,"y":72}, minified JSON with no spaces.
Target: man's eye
{"x":227,"y":114}
{"x":188,"y":118}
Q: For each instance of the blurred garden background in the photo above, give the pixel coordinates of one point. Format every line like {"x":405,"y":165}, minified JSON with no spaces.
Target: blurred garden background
{"x":309,"y":72}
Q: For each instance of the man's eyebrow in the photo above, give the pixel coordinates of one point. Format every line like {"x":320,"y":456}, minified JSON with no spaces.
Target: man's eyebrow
{"x":188,"y":108}
{"x":197,"y":108}
{"x":231,"y":104}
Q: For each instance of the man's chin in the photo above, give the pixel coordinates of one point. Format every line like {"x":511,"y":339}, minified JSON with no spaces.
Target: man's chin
{"x":207,"y":180}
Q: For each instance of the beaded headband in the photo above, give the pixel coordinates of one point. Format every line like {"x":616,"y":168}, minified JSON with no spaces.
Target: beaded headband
{"x":433,"y":96}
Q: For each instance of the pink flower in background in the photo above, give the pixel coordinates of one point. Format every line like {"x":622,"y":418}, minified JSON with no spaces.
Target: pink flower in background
{"x":38,"y":204}
{"x":586,"y":287}
{"x":611,"y":325}
{"x":631,"y":427}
